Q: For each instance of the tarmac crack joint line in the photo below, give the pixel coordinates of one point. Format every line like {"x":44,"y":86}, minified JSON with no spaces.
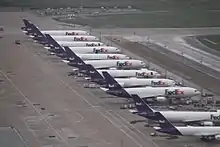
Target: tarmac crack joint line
{"x":133,"y":128}
{"x":31,"y":105}
{"x":17,"y":132}
{"x":137,"y":129}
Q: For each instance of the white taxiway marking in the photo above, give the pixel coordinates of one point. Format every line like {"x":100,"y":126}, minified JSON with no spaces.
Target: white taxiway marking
{"x":212,"y":42}
{"x":32,"y":106}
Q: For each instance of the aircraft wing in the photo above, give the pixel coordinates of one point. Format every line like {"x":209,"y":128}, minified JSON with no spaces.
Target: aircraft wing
{"x":206,"y":134}
{"x":193,"y":121}
{"x":148,"y":96}
{"x":102,"y":67}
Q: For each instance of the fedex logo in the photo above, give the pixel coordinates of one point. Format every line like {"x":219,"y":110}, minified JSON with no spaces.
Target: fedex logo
{"x":80,"y":39}
{"x":71,"y":33}
{"x":157,"y":83}
{"x":93,"y":44}
{"x":213,"y":117}
{"x":125,"y":63}
{"x":112,"y":57}
{"x":174,"y":92}
{"x":101,"y":50}
{"x":141,"y":74}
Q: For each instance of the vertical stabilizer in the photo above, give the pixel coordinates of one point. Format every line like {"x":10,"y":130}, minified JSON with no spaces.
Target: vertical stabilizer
{"x":141,"y":105}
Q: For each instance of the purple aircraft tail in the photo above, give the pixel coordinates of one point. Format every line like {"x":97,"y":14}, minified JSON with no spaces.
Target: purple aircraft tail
{"x":55,"y":47}
{"x":74,"y":59}
{"x":114,"y":87}
{"x":27,"y":26}
{"x":112,"y":83}
{"x":141,"y":105}
{"x":40,"y":37}
{"x":94,"y":74}
{"x":165,"y":125}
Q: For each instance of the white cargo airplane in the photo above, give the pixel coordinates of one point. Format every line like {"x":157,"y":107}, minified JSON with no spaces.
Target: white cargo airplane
{"x":58,"y":44}
{"x":97,"y":52}
{"x":31,"y":29}
{"x":102,"y":64}
{"x":105,"y":64}
{"x":102,"y":56}
{"x":98,"y":77}
{"x":65,"y":32}
{"x":156,"y":93}
{"x":95,"y":49}
{"x":136,"y":82}
{"x":206,"y":133}
{"x":139,"y":73}
{"x":79,"y":43}
{"x":75,"y":38}
{"x":205,"y":118}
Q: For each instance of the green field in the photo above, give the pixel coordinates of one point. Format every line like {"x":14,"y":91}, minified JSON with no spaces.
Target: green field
{"x":178,"y":13}
{"x":140,"y":4}
{"x":171,"y":19}
{"x":211,"y":41}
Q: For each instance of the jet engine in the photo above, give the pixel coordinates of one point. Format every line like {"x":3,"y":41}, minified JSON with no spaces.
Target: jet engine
{"x":207,"y":123}
{"x":161,"y":99}
{"x":217,"y":137}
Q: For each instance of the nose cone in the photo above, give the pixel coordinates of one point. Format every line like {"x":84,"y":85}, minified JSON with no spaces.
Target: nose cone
{"x":127,"y":57}
{"x":172,"y":83}
{"x":197,"y":92}
{"x":156,"y":74}
{"x":118,"y":50}
{"x":143,"y":64}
